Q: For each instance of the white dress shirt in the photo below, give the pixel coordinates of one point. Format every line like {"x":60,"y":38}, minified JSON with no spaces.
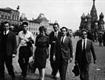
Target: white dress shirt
{"x":56,"y":33}
{"x":63,"y":38}
{"x":23,"y":38}
{"x":83,"y":43}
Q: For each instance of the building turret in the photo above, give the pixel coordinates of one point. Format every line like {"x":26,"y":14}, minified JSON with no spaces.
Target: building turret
{"x":88,"y":21}
{"x":93,"y":14}
{"x":83,"y":22}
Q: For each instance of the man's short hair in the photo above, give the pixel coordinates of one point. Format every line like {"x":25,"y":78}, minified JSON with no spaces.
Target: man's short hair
{"x":84,"y":30}
{"x":64,"y":28}
{"x":25,"y":23}
{"x":42,"y":28}
{"x":5,"y":22}
{"x":55,"y":24}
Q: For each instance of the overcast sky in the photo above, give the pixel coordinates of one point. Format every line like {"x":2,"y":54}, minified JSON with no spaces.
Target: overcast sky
{"x":66,"y":12}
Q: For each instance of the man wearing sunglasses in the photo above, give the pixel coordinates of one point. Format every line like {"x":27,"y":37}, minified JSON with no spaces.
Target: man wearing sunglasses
{"x":84,"y":49}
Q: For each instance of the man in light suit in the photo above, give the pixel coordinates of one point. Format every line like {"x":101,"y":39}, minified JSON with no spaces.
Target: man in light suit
{"x":84,"y":49}
{"x":66,"y":52}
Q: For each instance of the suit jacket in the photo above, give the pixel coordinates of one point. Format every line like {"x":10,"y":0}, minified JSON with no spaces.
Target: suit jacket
{"x":88,"y":51}
{"x":54,"y":46}
{"x":8,"y":44}
{"x":66,"y":48}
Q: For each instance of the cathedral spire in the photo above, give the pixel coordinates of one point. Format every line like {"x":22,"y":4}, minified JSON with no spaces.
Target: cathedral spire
{"x":93,"y":1}
{"x":93,"y":12}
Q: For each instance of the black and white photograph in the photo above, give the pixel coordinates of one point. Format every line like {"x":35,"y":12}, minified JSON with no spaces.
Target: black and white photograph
{"x":52,"y":40}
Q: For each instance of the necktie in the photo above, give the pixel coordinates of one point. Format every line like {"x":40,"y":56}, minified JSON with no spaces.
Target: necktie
{"x":62,"y":39}
{"x":84,"y":45}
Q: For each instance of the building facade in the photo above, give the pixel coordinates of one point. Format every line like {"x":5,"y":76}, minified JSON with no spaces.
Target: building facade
{"x":10,"y":15}
{"x":13,"y":16}
{"x":40,"y":21}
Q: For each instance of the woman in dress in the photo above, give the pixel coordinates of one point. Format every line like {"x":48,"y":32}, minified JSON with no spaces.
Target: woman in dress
{"x":41,"y":52}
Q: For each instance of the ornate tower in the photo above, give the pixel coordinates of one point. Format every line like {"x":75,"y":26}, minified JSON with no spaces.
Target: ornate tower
{"x":88,"y":21}
{"x":83,"y":22}
{"x":93,"y":14}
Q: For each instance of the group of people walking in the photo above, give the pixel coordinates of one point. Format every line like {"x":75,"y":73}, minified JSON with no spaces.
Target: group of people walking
{"x":61,"y":51}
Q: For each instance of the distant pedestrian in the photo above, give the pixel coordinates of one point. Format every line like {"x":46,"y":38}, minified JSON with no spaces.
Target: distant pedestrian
{"x":84,"y":50}
{"x":69,"y":33}
{"x":8,"y":50}
{"x":41,"y":53}
{"x":103,"y":37}
{"x":26,"y":39}
{"x":100,"y":39}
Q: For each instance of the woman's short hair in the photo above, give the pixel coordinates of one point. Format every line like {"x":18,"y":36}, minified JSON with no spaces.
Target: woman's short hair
{"x":42,"y":28}
{"x":64,"y":28}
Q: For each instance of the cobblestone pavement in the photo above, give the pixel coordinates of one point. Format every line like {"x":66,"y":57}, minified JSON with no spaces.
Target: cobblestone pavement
{"x":97,"y":71}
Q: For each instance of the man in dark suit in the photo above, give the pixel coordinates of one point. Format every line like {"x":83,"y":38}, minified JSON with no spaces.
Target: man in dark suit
{"x":65,"y":54}
{"x":53,"y":38}
{"x":84,"y":49}
{"x":7,"y":50}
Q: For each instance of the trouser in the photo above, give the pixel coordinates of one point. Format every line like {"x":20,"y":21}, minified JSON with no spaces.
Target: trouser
{"x":63,"y":69}
{"x":84,"y":72}
{"x":8,"y":62}
{"x":23,"y":59}
{"x":54,"y":66}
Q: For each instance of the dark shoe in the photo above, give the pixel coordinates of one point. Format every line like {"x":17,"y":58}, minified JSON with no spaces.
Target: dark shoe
{"x":2,"y":78}
{"x":12,"y":78}
{"x":23,"y":76}
{"x":52,"y":76}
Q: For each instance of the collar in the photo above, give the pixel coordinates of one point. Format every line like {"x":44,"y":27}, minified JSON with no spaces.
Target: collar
{"x":6,"y":32}
{"x":25,"y":33}
{"x":85,"y":42}
{"x":64,"y":38}
{"x":84,"y":39}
